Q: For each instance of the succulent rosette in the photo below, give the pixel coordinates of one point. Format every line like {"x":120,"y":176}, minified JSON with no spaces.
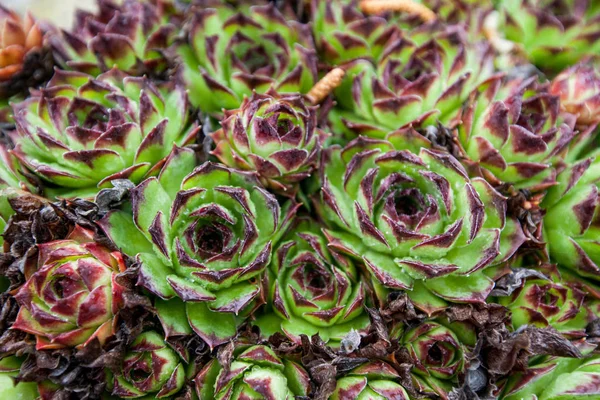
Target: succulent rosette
{"x":549,"y":302}
{"x":571,"y":226}
{"x":313,"y":290}
{"x":417,"y":222}
{"x":205,"y":240}
{"x":343,"y":33}
{"x":416,"y":82}
{"x":438,"y":357}
{"x":150,"y":367}
{"x":133,"y":37}
{"x":375,"y":380}
{"x":71,"y":295}
{"x":579,"y":91}
{"x":276,"y":136}
{"x":80,"y":133}
{"x":230,"y":53}
{"x":24,"y":61}
{"x":516,"y":133}
{"x":255,"y":372}
{"x":553,"y":34}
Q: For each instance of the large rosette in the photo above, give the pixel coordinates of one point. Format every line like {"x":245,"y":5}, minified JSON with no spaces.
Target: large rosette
{"x":228,"y":54}
{"x":420,"y":79}
{"x":205,"y":240}
{"x":133,"y":37}
{"x":515,"y":132}
{"x":416,"y":221}
{"x":80,"y":133}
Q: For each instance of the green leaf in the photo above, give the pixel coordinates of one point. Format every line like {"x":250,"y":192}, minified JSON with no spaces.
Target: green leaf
{"x":465,"y":331}
{"x":347,"y":384}
{"x":208,"y":177}
{"x":562,"y":218}
{"x":236,"y":297}
{"x":562,"y":249}
{"x":129,"y":387}
{"x":351,"y":244}
{"x":277,"y":381}
{"x":20,"y":391}
{"x":297,"y":379}
{"x":214,"y":328}
{"x":2,"y":227}
{"x":387,"y":271}
{"x":173,"y":317}
{"x":188,"y":290}
{"x":478,"y":251}
{"x":295,"y":327}
{"x":120,"y":228}
{"x":127,"y":58}
{"x":99,"y":163}
{"x":269,"y":324}
{"x":179,"y":375}
{"x":461,"y":289}
{"x":573,"y":386}
{"x":424,"y":300}
{"x":11,"y":363}
{"x":149,"y":198}
{"x":527,"y":316}
{"x":488,"y":196}
{"x":179,"y":164}
{"x":209,"y":378}
{"x":537,"y":378}
{"x":388,"y":387}
{"x":176,"y":111}
{"x":153,"y":275}
{"x":197,"y":88}
{"x":267,"y":359}
{"x":265,"y":221}
{"x":511,"y":239}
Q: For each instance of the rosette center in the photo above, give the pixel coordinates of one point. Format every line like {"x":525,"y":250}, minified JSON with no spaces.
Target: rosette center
{"x":313,"y":279}
{"x":211,"y":240}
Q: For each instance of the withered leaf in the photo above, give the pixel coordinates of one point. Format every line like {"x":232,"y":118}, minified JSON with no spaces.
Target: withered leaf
{"x":506,"y":285}
{"x":480,"y":315}
{"x":111,"y":198}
